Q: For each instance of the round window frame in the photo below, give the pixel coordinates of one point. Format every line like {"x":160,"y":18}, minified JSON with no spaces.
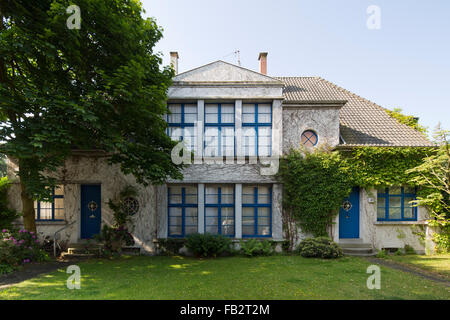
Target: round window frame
{"x":136,"y":209}
{"x":314,"y":133}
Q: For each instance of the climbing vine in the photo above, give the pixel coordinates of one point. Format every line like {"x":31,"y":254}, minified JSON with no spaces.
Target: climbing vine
{"x":316,"y":181}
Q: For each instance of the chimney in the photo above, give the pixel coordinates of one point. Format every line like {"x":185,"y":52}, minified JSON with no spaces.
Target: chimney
{"x":263,"y":62}
{"x":174,"y":61}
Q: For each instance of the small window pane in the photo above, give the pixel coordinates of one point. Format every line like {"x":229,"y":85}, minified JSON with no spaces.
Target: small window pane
{"x":248,"y":196}
{"x":408,"y":212}
{"x":211,"y":113}
{"x":395,"y":190}
{"x":395,"y":213}
{"x":410,"y":190}
{"x":248,"y":212}
{"x":191,"y":195}
{"x":212,"y":229}
{"x":264,"y":230}
{"x":175,"y":212}
{"x":395,"y":201}
{"x":248,"y":230}
{"x":59,"y":191}
{"x":381,"y":213}
{"x":227,"y":113}
{"x":227,"y":213}
{"x":175,"y":230}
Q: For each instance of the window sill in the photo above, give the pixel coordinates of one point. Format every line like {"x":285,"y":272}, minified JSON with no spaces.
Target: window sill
{"x":393,"y":223}
{"x":50,"y":222}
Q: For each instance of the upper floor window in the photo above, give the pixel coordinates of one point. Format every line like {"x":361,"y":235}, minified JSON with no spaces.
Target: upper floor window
{"x":183,"y":215}
{"x":53,"y":210}
{"x":257,"y":211}
{"x":395,"y":204}
{"x":309,"y":138}
{"x":257,"y":129}
{"x":219,"y":129}
{"x":219,"y":209}
{"x":181,"y":122}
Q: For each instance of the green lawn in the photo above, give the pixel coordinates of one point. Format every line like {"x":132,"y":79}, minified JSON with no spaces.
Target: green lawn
{"x":276,"y":277}
{"x":439,"y":264}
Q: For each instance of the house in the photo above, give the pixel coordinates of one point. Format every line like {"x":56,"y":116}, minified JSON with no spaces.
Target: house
{"x":238,"y":122}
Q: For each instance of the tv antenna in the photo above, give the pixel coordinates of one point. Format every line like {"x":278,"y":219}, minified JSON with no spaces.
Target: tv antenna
{"x":237,"y":55}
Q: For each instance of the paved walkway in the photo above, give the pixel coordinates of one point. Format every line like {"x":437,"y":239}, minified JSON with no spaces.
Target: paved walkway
{"x":30,"y":271}
{"x":412,"y":270}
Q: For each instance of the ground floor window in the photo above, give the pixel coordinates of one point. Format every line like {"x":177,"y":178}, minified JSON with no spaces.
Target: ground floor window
{"x":256,"y":211}
{"x":219,"y":209}
{"x":53,"y":210}
{"x":393,"y":204}
{"x":183,"y":210}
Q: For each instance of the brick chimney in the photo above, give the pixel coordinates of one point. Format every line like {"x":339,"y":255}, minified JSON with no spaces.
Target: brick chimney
{"x":263,"y":62}
{"x":174,"y":61}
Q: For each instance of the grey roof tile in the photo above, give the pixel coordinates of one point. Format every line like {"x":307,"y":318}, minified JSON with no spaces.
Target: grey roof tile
{"x":362,"y":122}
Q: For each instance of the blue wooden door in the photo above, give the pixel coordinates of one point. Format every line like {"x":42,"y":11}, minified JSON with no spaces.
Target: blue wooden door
{"x":91,"y":210}
{"x":349,"y":216}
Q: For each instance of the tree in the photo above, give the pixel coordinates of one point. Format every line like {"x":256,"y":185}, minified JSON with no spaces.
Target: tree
{"x":433,"y":176}
{"x":98,"y":87}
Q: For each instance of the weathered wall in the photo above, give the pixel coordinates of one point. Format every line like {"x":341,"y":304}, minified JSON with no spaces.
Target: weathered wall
{"x":94,"y":170}
{"x":324,"y":121}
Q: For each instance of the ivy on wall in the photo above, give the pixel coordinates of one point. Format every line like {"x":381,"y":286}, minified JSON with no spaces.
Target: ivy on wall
{"x":314,"y":184}
{"x":316,"y":181}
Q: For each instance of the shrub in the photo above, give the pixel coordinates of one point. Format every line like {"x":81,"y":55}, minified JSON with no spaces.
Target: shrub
{"x":19,"y":248}
{"x":409,"y":250}
{"x":382,"y":254}
{"x":254,"y":247}
{"x":171,"y":246}
{"x":399,"y":252}
{"x":114,"y":238}
{"x":320,"y":247}
{"x":208,"y":245}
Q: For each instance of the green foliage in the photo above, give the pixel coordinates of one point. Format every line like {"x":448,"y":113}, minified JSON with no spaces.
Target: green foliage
{"x":398,"y":252}
{"x":409,"y":250}
{"x":7,"y":216}
{"x":384,"y":166}
{"x":314,"y":184}
{"x":114,"y":238}
{"x":18,"y":248}
{"x":208,"y":245}
{"x":121,"y":217}
{"x":100,"y":87}
{"x":433,"y":177}
{"x":171,"y":246}
{"x":320,"y":247}
{"x":2,"y":165}
{"x":382,"y":254}
{"x":254,"y":247}
{"x":410,"y":121}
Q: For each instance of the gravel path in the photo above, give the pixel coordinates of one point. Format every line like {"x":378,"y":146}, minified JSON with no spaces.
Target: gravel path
{"x":412,"y":270}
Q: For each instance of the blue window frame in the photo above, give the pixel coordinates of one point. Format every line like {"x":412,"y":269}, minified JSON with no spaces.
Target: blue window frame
{"x":257,"y":211}
{"x":182,"y":211}
{"x":257,"y":129}
{"x":53,"y":210}
{"x":393,"y":204}
{"x":219,"y":209}
{"x":219,"y":129}
{"x":181,"y":122}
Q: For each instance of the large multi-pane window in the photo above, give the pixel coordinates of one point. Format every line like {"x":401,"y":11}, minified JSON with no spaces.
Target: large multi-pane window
{"x":53,"y":210}
{"x":183,"y":211}
{"x":257,"y":129}
{"x":395,"y":204}
{"x":256,"y":211}
{"x":181,"y":122}
{"x":219,"y":129}
{"x":219,"y":209}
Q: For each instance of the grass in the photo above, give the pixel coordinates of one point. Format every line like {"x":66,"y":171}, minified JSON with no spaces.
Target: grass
{"x":276,"y":277}
{"x":439,"y":264}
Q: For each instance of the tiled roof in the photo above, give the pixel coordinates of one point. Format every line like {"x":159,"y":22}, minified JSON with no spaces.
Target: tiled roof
{"x":362,"y":122}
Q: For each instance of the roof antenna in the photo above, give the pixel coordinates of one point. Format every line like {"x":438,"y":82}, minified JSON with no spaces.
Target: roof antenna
{"x":238,"y":56}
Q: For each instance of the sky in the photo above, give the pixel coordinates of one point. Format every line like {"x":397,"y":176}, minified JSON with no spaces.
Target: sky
{"x":405,"y":63}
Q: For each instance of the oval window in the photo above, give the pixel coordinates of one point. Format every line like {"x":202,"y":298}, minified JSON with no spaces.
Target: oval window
{"x":309,"y":138}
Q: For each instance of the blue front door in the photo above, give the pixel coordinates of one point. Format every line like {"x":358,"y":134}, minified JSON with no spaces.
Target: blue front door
{"x":349,"y":216}
{"x":91,"y":210}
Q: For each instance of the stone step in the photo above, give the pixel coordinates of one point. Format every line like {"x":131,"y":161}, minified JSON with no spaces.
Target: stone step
{"x":354,"y":254}
{"x":76,"y":256}
{"x":355,"y":245}
{"x":357,"y":250}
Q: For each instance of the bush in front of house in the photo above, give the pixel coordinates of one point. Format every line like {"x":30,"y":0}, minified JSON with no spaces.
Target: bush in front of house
{"x":254,"y":247}
{"x":320,"y":247}
{"x":113,"y":238}
{"x":170,"y":246}
{"x":208,"y":245}
{"x":18,"y":248}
